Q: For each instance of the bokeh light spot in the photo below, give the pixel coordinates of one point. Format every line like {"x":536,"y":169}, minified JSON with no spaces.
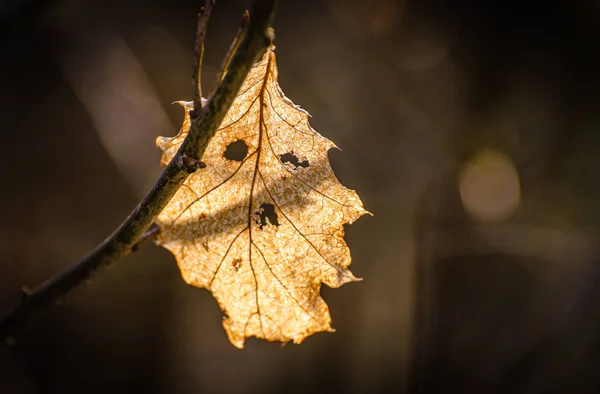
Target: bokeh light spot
{"x":489,"y":186}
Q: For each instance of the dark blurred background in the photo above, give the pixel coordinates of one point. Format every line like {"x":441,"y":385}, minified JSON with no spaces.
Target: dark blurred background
{"x":470,"y":128}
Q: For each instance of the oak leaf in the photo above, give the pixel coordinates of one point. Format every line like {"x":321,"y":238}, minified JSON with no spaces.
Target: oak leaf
{"x":261,"y":226}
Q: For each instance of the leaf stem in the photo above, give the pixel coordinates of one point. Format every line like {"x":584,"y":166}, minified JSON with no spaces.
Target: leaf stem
{"x":123,"y":240}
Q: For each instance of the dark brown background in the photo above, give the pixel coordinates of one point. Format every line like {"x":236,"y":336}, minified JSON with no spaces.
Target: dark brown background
{"x":409,"y":90}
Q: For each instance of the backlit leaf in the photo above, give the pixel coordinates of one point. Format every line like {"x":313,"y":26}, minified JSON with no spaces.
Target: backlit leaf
{"x":261,"y":226}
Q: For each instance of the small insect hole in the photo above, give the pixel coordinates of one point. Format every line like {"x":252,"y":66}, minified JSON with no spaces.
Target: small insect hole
{"x":267,"y":211}
{"x":236,"y":151}
{"x":293,"y":160}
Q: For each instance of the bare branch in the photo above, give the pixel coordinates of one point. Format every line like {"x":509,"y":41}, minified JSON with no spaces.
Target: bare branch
{"x":234,"y":46}
{"x":152,"y":232}
{"x":203,"y":17}
{"x":122,"y":241}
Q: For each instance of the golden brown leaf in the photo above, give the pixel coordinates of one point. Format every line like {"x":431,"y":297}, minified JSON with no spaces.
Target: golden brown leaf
{"x":261,"y":226}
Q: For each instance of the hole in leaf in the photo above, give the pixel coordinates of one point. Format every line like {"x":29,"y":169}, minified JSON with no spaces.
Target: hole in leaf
{"x":293,"y":160}
{"x":267,"y":211}
{"x":236,"y":151}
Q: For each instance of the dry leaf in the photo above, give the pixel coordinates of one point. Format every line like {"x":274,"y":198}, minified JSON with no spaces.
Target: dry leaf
{"x":261,"y":226}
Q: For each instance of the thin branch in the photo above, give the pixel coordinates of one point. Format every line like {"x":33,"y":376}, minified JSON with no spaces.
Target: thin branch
{"x":187,"y":160}
{"x":152,"y":232}
{"x":203,"y":17}
{"x":234,"y":46}
{"x":250,"y":50}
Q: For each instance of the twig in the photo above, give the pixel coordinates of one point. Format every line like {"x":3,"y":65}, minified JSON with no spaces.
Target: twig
{"x":252,"y":47}
{"x":150,"y":234}
{"x":185,"y":162}
{"x":203,"y":17}
{"x":234,"y":46}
